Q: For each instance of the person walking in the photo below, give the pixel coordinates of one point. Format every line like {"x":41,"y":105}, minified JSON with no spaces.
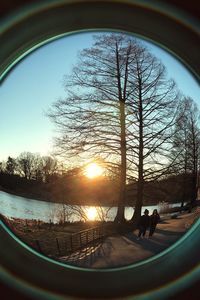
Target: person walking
{"x":143,"y":224}
{"x":154,"y":219}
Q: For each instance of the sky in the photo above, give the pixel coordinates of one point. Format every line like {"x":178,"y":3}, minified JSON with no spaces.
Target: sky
{"x":37,"y":81}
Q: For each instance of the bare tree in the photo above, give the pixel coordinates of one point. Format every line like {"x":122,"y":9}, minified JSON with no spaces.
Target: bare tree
{"x":49,"y":167}
{"x":64,"y":213}
{"x":119,"y":106}
{"x":150,"y":121}
{"x":186,"y":147}
{"x":194,"y":141}
{"x":92,"y":118}
{"x":3,"y":166}
{"x":11,"y":166}
{"x":29,"y":165}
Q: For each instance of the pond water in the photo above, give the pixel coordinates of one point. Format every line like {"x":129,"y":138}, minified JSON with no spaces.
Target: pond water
{"x":20,"y":207}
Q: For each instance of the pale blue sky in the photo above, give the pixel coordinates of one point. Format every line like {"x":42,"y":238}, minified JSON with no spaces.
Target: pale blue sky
{"x":36,"y":82}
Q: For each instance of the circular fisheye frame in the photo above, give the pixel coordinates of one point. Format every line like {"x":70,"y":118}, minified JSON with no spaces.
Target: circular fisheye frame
{"x":159,"y":277}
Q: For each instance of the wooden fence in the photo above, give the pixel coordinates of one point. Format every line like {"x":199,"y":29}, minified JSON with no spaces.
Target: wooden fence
{"x":86,"y":237}
{"x":73,"y":242}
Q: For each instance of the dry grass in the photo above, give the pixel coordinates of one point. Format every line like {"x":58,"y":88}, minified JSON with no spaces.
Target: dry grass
{"x":50,"y":239}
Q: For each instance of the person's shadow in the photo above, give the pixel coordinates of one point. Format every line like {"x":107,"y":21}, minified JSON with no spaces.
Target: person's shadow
{"x":157,"y":243}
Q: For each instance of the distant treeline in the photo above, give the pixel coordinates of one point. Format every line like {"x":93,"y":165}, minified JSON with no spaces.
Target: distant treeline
{"x":71,"y":188}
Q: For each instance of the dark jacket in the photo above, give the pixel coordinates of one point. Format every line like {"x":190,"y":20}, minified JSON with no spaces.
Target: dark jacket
{"x":144,"y":221}
{"x":154,"y":219}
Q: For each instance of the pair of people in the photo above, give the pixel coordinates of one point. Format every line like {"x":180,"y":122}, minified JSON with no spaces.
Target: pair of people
{"x":148,"y":221}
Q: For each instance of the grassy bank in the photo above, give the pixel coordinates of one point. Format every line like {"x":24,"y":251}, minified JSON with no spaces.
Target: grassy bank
{"x":45,"y":237}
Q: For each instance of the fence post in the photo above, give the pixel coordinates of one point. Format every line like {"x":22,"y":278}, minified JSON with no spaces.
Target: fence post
{"x":38,"y":224}
{"x":71,"y":243}
{"x":87,"y":237}
{"x":83,"y":238}
{"x":80,"y":239}
{"x":58,"y":246}
{"x":38,"y":246}
{"x":93,"y":235}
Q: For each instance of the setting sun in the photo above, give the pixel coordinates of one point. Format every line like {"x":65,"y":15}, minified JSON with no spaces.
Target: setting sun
{"x":91,"y":213}
{"x":93,"y":170}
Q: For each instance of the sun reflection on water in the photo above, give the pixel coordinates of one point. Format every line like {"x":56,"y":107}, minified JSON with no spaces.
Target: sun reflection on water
{"x":91,"y":213}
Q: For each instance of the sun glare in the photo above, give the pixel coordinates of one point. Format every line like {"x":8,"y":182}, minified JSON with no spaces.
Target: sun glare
{"x":91,"y":213}
{"x":93,"y":170}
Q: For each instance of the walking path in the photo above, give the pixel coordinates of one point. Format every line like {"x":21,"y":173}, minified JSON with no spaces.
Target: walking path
{"x":121,"y":250}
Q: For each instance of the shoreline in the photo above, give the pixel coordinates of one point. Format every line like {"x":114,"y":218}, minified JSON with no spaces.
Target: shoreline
{"x":24,"y":195}
{"x":32,"y":197}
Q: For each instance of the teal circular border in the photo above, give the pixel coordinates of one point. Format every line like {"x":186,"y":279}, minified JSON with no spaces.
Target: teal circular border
{"x":67,"y":17}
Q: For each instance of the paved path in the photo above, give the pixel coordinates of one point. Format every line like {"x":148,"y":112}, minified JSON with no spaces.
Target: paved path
{"x":125,"y":249}
{"x":121,"y":250}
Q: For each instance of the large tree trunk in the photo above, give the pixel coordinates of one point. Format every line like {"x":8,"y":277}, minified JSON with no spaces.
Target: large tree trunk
{"x":140,"y":183}
{"x":194,"y":188}
{"x":184,"y":183}
{"x":122,"y":196}
{"x":184,"y":189}
{"x":139,"y":202}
